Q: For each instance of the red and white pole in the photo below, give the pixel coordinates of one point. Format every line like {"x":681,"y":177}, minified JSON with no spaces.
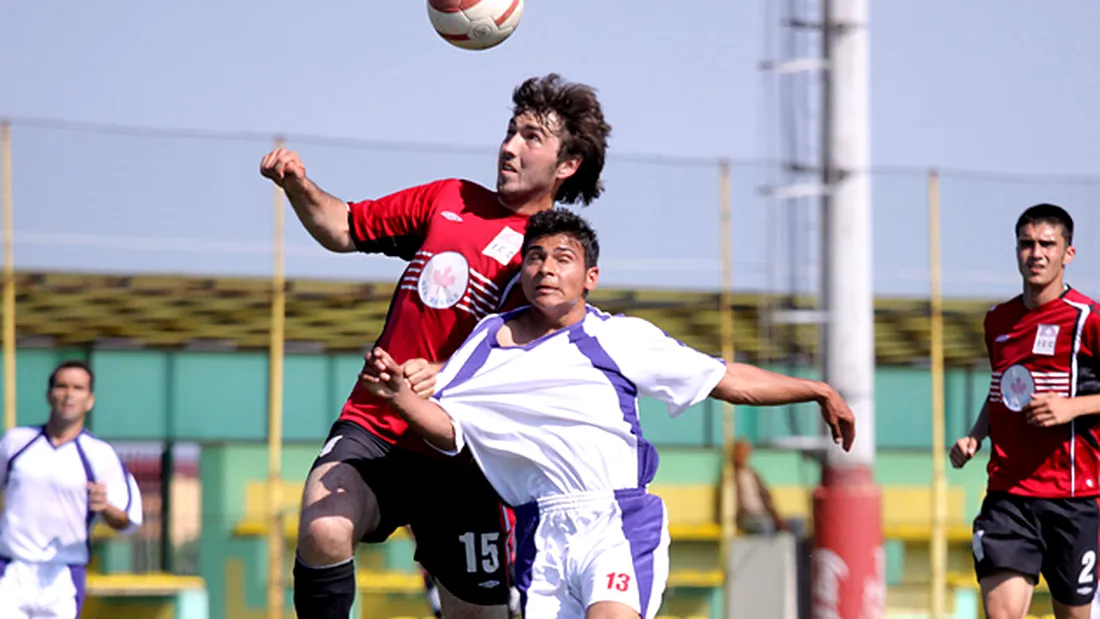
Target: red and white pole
{"x":848,"y":571}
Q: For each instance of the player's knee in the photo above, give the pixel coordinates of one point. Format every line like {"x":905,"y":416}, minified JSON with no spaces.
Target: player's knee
{"x":326,"y":540}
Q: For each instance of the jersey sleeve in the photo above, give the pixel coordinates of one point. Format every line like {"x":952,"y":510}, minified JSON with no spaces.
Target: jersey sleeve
{"x":122,"y":490}
{"x":396,"y":224}
{"x":662,"y":367}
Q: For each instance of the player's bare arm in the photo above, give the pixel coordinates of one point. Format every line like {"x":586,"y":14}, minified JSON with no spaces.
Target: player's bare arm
{"x":1052,"y":409}
{"x":965,"y":448}
{"x":387,"y":382}
{"x":323,"y":215}
{"x":747,"y":384}
{"x":97,"y":503}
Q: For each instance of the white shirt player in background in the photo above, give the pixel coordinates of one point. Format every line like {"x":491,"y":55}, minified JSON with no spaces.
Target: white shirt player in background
{"x":58,"y":482}
{"x":546,"y":399}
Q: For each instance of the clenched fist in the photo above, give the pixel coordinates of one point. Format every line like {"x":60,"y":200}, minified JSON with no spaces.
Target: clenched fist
{"x":282,"y":165}
{"x":97,"y":497}
{"x":963,"y":450}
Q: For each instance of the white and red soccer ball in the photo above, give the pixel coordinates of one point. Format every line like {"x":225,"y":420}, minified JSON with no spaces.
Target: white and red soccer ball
{"x":475,"y":24}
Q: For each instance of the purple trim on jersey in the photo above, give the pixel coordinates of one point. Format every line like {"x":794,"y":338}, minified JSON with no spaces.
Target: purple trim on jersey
{"x":11,"y":460}
{"x":79,"y":574}
{"x":126,"y":480}
{"x":494,"y":342}
{"x":477,"y":358}
{"x":527,"y":522}
{"x":3,"y":565}
{"x":643,"y":517}
{"x":91,"y":479}
{"x":590,"y":347}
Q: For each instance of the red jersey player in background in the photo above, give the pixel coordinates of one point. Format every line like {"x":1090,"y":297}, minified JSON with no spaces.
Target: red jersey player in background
{"x":1040,"y":512}
{"x":462,"y":242}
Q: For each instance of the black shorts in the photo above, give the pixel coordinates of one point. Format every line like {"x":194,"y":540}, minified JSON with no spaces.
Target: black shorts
{"x":457,"y":518}
{"x":1055,"y":537}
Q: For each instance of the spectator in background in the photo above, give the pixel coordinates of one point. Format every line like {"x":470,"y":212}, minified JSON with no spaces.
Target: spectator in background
{"x":756,"y":513}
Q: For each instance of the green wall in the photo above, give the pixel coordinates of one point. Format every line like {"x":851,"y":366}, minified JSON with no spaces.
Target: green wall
{"x":204,"y":396}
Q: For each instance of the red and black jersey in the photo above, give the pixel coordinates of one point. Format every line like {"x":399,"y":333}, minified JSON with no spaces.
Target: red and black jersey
{"x":463,"y":249}
{"x":1051,"y":348}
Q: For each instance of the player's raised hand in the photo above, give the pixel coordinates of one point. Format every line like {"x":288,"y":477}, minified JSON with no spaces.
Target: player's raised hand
{"x":1049,"y":409}
{"x":420,"y":375}
{"x":963,"y":450}
{"x":839,"y":418}
{"x":282,"y":166}
{"x":382,"y":376}
{"x":97,"y":497}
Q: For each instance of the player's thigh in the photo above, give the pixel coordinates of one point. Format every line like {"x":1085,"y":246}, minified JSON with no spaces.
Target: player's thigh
{"x":610,"y":610}
{"x":347,"y":495}
{"x":1007,"y":544}
{"x":1006,"y":594}
{"x":16,"y":590}
{"x":1070,"y":529}
{"x":628,"y":562}
{"x":461,"y":533}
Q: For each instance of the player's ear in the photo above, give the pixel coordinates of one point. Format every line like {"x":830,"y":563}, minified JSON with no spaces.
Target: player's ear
{"x":568,"y":168}
{"x":1071,"y":251}
{"x":591,"y":278}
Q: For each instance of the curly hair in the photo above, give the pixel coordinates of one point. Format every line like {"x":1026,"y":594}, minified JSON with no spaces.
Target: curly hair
{"x":583,"y":131}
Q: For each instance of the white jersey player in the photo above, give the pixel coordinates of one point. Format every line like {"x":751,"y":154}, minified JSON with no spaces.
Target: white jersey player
{"x":58,"y":482}
{"x":546,"y":399}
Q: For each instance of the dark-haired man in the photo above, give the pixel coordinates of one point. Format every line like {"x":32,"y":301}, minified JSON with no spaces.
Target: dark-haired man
{"x":1040,"y":513}
{"x":545,"y":397}
{"x":462,"y":243}
{"x":58,"y":481}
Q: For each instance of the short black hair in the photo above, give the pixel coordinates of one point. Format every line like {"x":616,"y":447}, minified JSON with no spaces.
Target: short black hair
{"x":563,"y":221}
{"x":1047,"y":213}
{"x":71,"y":364}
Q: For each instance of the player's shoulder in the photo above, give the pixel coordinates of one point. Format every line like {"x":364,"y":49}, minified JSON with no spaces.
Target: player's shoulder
{"x":606,"y":325}
{"x":19,"y":436}
{"x":1077,"y":297}
{"x":92,"y":444}
{"x":463,"y":191}
{"x":1004,"y":308}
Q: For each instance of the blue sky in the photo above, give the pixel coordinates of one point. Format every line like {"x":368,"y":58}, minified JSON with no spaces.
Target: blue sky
{"x":1007,"y":86}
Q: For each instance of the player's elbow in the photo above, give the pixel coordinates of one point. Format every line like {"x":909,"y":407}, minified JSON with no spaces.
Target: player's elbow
{"x":334,"y":238}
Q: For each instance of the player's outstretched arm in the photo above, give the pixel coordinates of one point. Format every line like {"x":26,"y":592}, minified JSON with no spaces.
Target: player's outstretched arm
{"x":747,"y":384}
{"x":324,"y":216}
{"x":385,"y":379}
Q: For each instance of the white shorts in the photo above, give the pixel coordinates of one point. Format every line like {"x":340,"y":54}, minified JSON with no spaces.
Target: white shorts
{"x":41,"y":590}
{"x":573,"y":551}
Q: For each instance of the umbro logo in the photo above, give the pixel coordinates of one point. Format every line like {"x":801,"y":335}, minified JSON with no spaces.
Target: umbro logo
{"x":1002,"y":338}
{"x":451,"y":216}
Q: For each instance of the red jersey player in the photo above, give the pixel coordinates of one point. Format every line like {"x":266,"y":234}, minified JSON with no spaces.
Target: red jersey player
{"x":462,"y":245}
{"x":1040,"y":512}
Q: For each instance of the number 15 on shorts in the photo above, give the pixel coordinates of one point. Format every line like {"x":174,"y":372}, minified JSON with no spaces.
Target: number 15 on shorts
{"x":490,"y":557}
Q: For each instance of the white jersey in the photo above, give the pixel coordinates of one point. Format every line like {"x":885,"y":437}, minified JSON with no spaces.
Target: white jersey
{"x":560,"y":415}
{"x":45,"y":514}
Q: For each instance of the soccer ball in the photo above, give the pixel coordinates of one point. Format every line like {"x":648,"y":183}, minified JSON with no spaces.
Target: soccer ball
{"x":475,"y":24}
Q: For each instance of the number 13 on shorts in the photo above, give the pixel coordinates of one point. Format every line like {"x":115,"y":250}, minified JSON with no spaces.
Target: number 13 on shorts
{"x":618,"y":581}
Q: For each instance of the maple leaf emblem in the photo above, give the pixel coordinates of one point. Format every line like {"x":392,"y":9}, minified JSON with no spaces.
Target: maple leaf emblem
{"x":1018,"y":385}
{"x":443,"y":278}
